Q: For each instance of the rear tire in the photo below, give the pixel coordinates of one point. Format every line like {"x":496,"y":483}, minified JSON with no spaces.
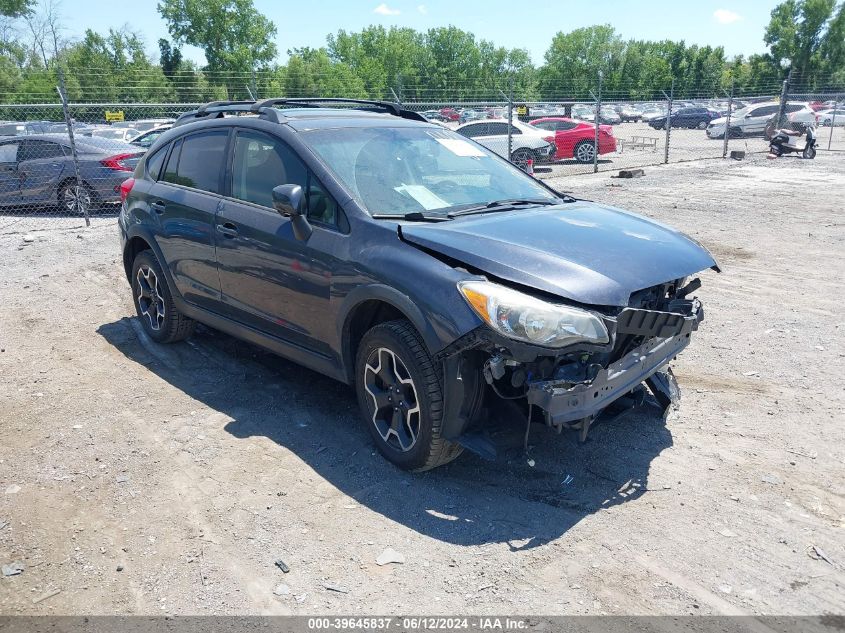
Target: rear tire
{"x":702,"y":125}
{"x":76,"y":199}
{"x":154,"y":304}
{"x":400,"y":395}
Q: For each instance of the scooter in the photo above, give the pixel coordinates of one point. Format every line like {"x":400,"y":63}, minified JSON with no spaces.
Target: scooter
{"x":780,"y":145}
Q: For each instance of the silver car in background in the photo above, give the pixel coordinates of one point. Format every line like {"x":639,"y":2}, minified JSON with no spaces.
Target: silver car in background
{"x":37,"y":170}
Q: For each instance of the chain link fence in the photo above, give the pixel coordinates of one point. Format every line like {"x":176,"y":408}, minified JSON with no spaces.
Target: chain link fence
{"x":62,"y":164}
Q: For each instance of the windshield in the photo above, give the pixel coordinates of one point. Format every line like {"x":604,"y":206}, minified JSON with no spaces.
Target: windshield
{"x":396,"y":171}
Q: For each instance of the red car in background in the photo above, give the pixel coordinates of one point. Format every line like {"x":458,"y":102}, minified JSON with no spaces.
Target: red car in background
{"x":576,"y":139}
{"x":450,"y":113}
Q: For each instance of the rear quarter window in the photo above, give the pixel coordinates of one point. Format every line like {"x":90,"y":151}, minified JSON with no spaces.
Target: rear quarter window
{"x":155,"y":162}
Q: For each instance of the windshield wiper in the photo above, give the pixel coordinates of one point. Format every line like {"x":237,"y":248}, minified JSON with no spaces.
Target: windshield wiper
{"x":413,"y":216}
{"x":502,"y":205}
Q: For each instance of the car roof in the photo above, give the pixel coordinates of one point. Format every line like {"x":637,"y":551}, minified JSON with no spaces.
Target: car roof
{"x":302,"y":119}
{"x":86,"y":142}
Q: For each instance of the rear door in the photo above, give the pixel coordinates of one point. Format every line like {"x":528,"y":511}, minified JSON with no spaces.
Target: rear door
{"x":40,"y":169}
{"x":185,"y":200}
{"x":756,"y":119}
{"x":9,"y":182}
{"x":268,"y":278}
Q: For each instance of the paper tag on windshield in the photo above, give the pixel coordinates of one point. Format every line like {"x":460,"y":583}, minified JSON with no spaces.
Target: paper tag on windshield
{"x":425,"y":196}
{"x":459,"y":147}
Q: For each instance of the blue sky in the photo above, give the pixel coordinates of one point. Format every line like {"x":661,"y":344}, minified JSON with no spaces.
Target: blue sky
{"x":735,"y":24}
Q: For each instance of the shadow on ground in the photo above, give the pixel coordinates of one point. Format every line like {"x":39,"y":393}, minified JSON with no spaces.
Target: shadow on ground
{"x":467,"y":502}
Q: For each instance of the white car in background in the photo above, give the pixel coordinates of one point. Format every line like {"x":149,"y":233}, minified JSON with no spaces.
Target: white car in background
{"x":831,"y":117}
{"x":527,"y":141}
{"x":124,"y":134}
{"x":752,"y":120}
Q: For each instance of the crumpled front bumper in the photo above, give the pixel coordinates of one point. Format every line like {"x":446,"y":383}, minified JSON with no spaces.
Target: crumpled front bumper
{"x":565,"y":401}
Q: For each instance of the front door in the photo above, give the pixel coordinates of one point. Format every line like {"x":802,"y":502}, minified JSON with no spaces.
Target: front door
{"x":268,"y":278}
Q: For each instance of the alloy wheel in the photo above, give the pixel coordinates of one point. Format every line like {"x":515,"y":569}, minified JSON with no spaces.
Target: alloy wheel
{"x":584,"y":152}
{"x":395,"y":405}
{"x":150,"y":301}
{"x":76,"y":198}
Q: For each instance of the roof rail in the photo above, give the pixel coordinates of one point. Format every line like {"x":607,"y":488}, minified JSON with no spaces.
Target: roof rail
{"x":216,"y":109}
{"x":384,"y":106}
{"x":217,"y":104}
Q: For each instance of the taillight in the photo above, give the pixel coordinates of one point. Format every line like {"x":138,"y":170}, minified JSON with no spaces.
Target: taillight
{"x":121,"y":162}
{"x":125,"y":188}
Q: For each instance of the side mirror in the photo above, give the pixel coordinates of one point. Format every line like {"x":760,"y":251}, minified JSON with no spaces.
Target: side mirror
{"x":289,"y":201}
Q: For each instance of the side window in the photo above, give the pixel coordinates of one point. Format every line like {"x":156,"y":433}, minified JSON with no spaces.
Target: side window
{"x":34,"y":150}
{"x":793,"y":107}
{"x":565,"y":125}
{"x":471,"y":131}
{"x":499,"y":129}
{"x":173,"y":163}
{"x":155,"y":162}
{"x":764,"y":111}
{"x":201,"y":160}
{"x":9,"y":153}
{"x":260,"y":163}
{"x":545,"y":125}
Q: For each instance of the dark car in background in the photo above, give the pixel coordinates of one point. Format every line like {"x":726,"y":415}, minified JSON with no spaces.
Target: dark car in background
{"x":408,"y":261}
{"x":38,"y":170}
{"x":692,"y":117}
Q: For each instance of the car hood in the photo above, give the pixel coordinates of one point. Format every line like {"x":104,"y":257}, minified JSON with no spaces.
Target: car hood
{"x":581,"y":251}
{"x":719,"y":121}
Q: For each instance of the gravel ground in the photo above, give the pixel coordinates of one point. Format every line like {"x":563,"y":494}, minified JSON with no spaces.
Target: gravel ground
{"x":139,"y":479}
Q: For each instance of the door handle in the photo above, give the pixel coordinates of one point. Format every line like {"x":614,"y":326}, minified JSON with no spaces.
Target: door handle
{"x":228,"y":230}
{"x":158,"y":206}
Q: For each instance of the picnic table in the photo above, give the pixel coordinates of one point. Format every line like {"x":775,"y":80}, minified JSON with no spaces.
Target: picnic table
{"x":639,"y":142}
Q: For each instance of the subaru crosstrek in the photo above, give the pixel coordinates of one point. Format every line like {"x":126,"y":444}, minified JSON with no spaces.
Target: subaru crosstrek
{"x":408,"y":261}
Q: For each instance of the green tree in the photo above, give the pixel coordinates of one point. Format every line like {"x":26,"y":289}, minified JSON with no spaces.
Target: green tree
{"x":235,"y":37}
{"x":16,"y":8}
{"x":311,"y":73}
{"x":802,"y":35}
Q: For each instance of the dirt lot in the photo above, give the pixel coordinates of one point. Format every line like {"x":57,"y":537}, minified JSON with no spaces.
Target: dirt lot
{"x":144,"y":479}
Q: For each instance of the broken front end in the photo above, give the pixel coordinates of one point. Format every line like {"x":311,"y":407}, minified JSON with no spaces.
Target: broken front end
{"x":569,"y":362}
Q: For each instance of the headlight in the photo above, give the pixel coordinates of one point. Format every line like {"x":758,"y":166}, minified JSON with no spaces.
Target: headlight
{"x":525,"y":318}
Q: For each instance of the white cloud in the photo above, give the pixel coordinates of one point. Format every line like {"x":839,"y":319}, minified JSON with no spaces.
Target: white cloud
{"x":726,"y":16}
{"x":383,"y":9}
{"x":422,"y":9}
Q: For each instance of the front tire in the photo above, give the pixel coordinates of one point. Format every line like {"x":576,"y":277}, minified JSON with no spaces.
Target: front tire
{"x":521,"y":157}
{"x":809,"y":152}
{"x":154,"y":304}
{"x":401,"y":397}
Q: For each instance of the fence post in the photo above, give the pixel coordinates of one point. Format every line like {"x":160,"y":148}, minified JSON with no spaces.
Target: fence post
{"x":510,"y":118}
{"x":598,"y":115}
{"x":69,"y":122}
{"x":833,"y":120}
{"x":728,"y":119}
{"x":669,"y":97}
{"x":784,"y":92}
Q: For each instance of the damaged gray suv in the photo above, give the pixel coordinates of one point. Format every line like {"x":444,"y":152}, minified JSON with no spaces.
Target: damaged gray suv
{"x":401,"y":258}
